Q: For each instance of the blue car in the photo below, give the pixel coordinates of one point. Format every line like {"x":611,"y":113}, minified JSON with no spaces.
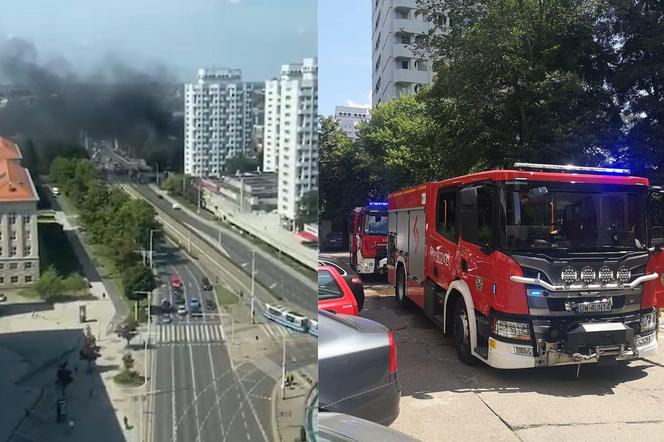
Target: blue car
{"x":195,"y":307}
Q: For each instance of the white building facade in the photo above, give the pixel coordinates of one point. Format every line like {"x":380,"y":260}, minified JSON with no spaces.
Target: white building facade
{"x":349,"y":117}
{"x":290,"y":144}
{"x":396,"y":70}
{"x":19,"y":241}
{"x":219,"y":116}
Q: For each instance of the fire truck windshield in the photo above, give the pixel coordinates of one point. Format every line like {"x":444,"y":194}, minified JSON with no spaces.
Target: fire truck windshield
{"x":571,"y":217}
{"x":375,"y":223}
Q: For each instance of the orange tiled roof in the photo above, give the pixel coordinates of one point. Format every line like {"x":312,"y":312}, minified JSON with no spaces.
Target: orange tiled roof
{"x":9,"y":150}
{"x":15,"y":181}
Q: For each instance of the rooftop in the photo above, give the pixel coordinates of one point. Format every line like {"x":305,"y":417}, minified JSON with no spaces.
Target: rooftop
{"x":15,"y":181}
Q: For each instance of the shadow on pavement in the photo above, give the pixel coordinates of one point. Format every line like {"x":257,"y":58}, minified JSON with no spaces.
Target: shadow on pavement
{"x":88,"y":403}
{"x":428,"y":363}
{"x":21,"y":308}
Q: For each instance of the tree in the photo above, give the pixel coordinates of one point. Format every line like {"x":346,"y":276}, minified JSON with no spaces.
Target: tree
{"x":63,"y":377}
{"x":307,"y":211}
{"x":49,"y":285}
{"x":128,"y":362}
{"x":138,"y":279}
{"x":74,"y":283}
{"x":636,"y":30}
{"x":127,"y":330}
{"x":520,"y":80}
{"x":90,"y":350}
{"x":345,"y":172}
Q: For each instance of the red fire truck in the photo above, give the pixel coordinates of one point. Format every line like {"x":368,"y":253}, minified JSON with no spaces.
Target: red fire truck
{"x":538,"y":266}
{"x":368,"y":237}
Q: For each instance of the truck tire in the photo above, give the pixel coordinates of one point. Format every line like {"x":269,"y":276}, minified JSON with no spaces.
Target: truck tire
{"x":400,"y":289}
{"x":461,"y":332}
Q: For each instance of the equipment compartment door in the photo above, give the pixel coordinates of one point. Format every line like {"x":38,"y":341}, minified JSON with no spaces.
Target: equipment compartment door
{"x":416,"y":247}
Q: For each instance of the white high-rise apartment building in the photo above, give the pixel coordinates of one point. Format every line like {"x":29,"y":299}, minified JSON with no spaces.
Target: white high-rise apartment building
{"x":349,"y":117}
{"x":396,"y":70}
{"x":219,"y":116}
{"x":290,"y":145}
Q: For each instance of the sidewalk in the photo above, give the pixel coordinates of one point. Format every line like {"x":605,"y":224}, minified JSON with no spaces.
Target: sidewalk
{"x":292,"y":409}
{"x":32,"y":347}
{"x":263,"y":226}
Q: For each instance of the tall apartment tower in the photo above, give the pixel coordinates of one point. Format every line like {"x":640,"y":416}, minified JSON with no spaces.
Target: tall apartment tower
{"x":290,"y":144}
{"x":19,"y":244}
{"x":349,"y":117}
{"x":396,"y":70}
{"x":219,"y":116}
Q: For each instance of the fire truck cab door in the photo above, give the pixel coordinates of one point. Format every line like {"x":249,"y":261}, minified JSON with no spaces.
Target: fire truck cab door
{"x":656,"y":238}
{"x":473,"y":258}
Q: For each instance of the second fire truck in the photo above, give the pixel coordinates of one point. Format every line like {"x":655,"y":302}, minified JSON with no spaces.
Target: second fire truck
{"x":368,"y":237}
{"x":538,"y":266}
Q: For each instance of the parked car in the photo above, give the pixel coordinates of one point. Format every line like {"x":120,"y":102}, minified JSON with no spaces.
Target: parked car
{"x":357,"y":366}
{"x":337,"y":427}
{"x":205,"y":283}
{"x":182,"y":310}
{"x":333,"y":241}
{"x":351,"y":277}
{"x":176,"y":206}
{"x":334,"y":294}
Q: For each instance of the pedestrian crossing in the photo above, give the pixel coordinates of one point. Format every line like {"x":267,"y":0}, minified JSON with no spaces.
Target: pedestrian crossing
{"x":190,"y":333}
{"x":275,"y":331}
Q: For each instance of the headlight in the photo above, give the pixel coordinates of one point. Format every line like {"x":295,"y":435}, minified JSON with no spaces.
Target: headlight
{"x":511,"y":329}
{"x":623,"y":274}
{"x":648,"y":322}
{"x":587,"y":275}
{"x":605,"y":275}
{"x":568,"y":275}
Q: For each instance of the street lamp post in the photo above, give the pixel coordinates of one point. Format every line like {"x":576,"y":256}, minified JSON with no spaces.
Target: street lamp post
{"x":253,"y":282}
{"x":283,"y":369}
{"x":151,"y":248}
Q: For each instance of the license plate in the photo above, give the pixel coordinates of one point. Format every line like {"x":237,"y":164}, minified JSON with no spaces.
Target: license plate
{"x":594,"y":307}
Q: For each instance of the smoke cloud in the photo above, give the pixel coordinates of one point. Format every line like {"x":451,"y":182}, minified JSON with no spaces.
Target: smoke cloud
{"x":47,"y":101}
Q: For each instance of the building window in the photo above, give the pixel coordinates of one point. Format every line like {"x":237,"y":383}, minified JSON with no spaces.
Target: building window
{"x":28,"y":278}
{"x":13,"y":251}
{"x":27,"y":265}
{"x":2,"y":279}
{"x":13,"y":266}
{"x":14,"y":280}
{"x":26,"y":218}
{"x":28,"y":250}
{"x":12,"y":217}
{"x":404,"y":64}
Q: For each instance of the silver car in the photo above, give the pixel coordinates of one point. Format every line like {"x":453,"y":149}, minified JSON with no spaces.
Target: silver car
{"x":357,"y":366}
{"x":335,"y":427}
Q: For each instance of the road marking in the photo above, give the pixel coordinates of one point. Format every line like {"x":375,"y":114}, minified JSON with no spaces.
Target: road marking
{"x":216,"y":389}
{"x":173,"y":394}
{"x":244,"y":264}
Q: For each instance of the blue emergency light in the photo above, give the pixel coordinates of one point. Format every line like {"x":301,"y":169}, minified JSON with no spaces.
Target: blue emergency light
{"x":377,"y":205}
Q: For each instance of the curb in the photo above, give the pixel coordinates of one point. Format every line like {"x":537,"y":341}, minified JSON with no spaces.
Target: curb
{"x":275,"y":424}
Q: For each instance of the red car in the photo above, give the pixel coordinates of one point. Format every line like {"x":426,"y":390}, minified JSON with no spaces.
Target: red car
{"x":175,"y":282}
{"x":334,"y":294}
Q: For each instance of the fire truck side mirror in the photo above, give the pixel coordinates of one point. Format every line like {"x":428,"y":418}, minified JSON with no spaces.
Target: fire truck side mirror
{"x":657,"y":237}
{"x":468,"y":196}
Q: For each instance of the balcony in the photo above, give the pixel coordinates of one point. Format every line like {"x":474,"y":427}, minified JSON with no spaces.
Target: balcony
{"x":410,"y":25}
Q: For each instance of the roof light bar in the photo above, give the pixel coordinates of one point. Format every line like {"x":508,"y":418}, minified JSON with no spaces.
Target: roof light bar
{"x":571,"y":168}
{"x":379,"y":205}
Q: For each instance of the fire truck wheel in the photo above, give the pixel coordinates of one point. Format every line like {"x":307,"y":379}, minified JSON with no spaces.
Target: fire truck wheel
{"x":400,"y":290}
{"x":462,"y":333}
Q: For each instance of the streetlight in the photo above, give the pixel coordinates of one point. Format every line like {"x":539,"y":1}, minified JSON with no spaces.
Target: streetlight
{"x":151,"y":248}
{"x":253,"y":278}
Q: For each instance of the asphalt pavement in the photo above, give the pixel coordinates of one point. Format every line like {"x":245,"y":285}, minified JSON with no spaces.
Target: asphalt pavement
{"x":276,"y":278}
{"x":199,"y":395}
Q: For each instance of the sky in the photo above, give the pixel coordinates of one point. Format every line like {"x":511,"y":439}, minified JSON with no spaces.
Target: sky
{"x":344,"y":54}
{"x":173,"y":36}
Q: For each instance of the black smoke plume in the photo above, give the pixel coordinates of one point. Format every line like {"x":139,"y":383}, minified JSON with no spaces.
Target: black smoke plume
{"x":48,"y":102}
